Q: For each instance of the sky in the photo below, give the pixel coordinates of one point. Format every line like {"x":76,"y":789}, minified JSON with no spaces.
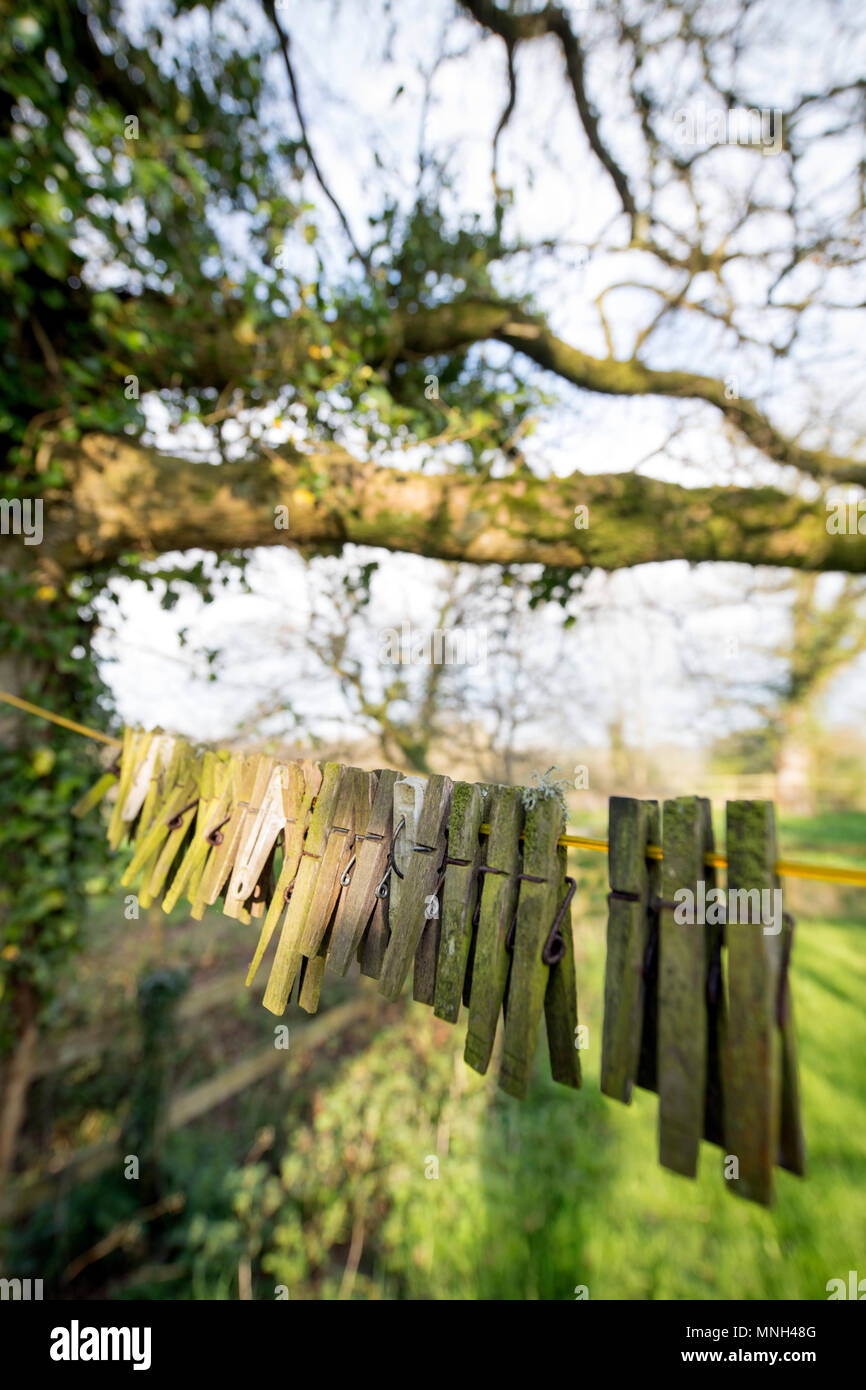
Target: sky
{"x":665,"y":644}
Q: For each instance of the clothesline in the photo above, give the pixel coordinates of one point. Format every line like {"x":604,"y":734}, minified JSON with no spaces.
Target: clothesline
{"x":786,"y":868}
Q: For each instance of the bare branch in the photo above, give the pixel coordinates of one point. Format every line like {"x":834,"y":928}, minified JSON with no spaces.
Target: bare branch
{"x":284,"y":42}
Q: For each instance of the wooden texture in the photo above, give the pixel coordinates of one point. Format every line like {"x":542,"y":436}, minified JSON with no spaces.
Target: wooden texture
{"x":499,"y":892}
{"x":560,"y":998}
{"x":240,"y":837}
{"x":153,"y":760}
{"x":536,"y":908}
{"x":352,"y":807}
{"x":288,"y":956}
{"x":305,"y":779}
{"x":682,"y":1004}
{"x":714,"y":937}
{"x":406,"y":910}
{"x":752,"y":1054}
{"x":155,"y":791}
{"x":174,"y":842}
{"x":459,"y":894}
{"x":310,"y":987}
{"x":427,"y":950}
{"x":792,"y":1144}
{"x":409,"y":793}
{"x":213,"y":806}
{"x":127,"y":759}
{"x":374,"y":944}
{"x":632,"y":824}
{"x":262,"y":828}
{"x":221,"y":857}
{"x":146,"y":798}
{"x":173,"y":790}
{"x":94,"y":794}
{"x":358,"y":901}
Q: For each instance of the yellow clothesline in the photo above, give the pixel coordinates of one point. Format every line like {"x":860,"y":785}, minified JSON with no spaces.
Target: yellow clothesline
{"x":56,"y":718}
{"x":787,"y":868}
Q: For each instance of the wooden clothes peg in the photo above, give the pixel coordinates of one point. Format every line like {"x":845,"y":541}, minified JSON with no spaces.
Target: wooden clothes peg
{"x":352,"y":809}
{"x":537,"y":906}
{"x":753,"y":1056}
{"x":714,"y":940}
{"x":682,"y":991}
{"x":423,"y":862}
{"x":135,"y":745}
{"x":240,"y":833}
{"x":460,"y":888}
{"x":236,"y":784}
{"x":259,"y":833}
{"x":250,"y":774}
{"x":156,"y":751}
{"x":304,"y":782}
{"x":359,"y":900}
{"x":792,"y":1144}
{"x":352,"y":806}
{"x":109,"y":777}
{"x":374,"y":942}
{"x":499,"y":890}
{"x":409,"y":795}
{"x":560,"y":997}
{"x":154,"y":780}
{"x":427,"y":884}
{"x":214,"y":801}
{"x":180,"y":825}
{"x":170,"y":786}
{"x":634,"y":881}
{"x":288,"y":957}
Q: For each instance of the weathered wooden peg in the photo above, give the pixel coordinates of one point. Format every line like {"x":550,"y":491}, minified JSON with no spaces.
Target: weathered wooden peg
{"x":752,"y":1074}
{"x":359,"y":900}
{"x":499,"y":891}
{"x":682,"y":998}
{"x":406,"y":912}
{"x":288,"y":955}
{"x":632,"y":824}
{"x":537,"y":904}
{"x":460,"y":890}
{"x":560,"y":998}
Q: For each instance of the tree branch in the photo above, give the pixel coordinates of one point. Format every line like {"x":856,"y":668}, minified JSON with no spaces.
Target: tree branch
{"x":216,"y":355}
{"x":284,"y":42}
{"x":449,"y":327}
{"x":126,"y":497}
{"x":552,"y":20}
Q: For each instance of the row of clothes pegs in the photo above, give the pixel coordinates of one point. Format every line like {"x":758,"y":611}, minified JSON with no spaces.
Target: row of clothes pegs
{"x":697,"y":1003}
{"x":338,"y":865}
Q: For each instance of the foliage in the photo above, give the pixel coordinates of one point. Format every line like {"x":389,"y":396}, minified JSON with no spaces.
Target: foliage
{"x":48,"y":857}
{"x":98,"y":221}
{"x":129,"y":150}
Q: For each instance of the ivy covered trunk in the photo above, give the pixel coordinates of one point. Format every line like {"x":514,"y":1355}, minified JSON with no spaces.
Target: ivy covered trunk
{"x":46,"y":855}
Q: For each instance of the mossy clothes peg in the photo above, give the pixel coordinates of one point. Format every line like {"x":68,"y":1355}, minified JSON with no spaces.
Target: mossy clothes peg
{"x":397,"y":873}
{"x":700,"y":1010}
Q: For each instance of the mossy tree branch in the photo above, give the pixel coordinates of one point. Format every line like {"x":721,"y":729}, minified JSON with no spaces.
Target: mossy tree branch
{"x":125,"y":497}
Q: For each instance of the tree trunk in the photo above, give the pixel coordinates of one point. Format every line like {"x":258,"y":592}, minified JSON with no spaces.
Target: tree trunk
{"x":17,"y":1078}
